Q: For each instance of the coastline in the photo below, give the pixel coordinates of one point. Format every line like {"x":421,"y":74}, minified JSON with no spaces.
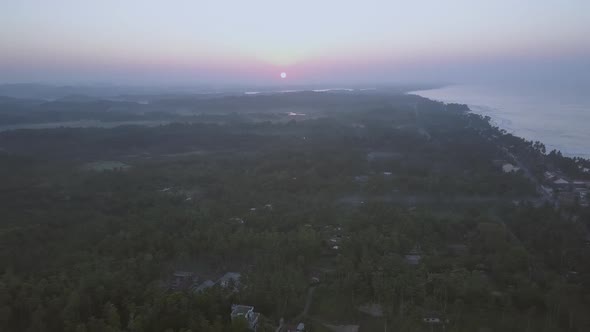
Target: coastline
{"x":532,"y":115}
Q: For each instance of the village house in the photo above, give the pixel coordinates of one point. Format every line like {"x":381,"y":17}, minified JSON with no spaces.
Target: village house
{"x":183,"y":280}
{"x":509,"y":168}
{"x":549,"y":176}
{"x":203,"y":286}
{"x":361,"y":179}
{"x":237,"y":220}
{"x":432,"y":318}
{"x":547,"y":190}
{"x":230,"y":279}
{"x":246,"y":312}
{"x":584,"y":197}
{"x":294,"y":328}
{"x":561,"y":183}
{"x":413,"y":257}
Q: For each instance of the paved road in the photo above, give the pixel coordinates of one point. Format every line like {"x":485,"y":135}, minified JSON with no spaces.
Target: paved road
{"x":545,"y":195}
{"x":308,"y":300}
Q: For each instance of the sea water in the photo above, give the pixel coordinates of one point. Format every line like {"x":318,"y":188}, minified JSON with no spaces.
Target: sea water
{"x":559,"y":117}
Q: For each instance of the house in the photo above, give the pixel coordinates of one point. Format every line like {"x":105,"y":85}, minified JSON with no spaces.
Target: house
{"x":413,"y":259}
{"x":230,"y":279}
{"x":432,"y":318}
{"x":237,"y":220}
{"x":561,"y":183}
{"x":547,"y":190}
{"x":584,"y":197}
{"x":183,"y":280}
{"x":549,"y":176}
{"x":509,"y":168}
{"x":295,"y":328}
{"x":361,"y":179}
{"x":205,"y":285}
{"x":579,"y":184}
{"x":246,"y":312}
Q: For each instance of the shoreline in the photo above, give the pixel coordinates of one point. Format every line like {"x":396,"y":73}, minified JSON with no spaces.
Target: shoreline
{"x":516,"y":125}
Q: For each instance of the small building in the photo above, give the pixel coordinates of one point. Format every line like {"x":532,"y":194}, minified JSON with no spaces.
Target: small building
{"x":295,"y":328}
{"x":584,"y":197}
{"x":547,"y":190}
{"x":413,"y":257}
{"x":509,"y":168}
{"x":230,"y":279}
{"x":237,"y":220}
{"x":432,"y":318}
{"x":183,"y":280}
{"x":204,"y":286}
{"x":246,"y":312}
{"x":561,"y":183}
{"x":549,"y":175}
{"x":361,"y":179}
{"x":314,"y":280}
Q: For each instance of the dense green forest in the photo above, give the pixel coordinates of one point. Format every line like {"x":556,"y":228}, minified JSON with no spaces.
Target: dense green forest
{"x":394,"y":200}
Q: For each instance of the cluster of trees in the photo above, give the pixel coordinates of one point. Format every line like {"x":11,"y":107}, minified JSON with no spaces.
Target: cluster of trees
{"x":92,"y":251}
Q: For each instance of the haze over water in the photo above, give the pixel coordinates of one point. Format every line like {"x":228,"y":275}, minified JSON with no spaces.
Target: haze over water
{"x":559,"y":117}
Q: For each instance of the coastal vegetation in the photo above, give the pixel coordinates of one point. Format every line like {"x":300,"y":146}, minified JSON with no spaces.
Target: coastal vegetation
{"x":392,"y":202}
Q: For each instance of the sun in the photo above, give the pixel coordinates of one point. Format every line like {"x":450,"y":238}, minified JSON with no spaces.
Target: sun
{"x":283,"y":75}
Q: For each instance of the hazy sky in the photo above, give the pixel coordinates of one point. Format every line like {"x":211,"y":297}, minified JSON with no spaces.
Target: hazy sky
{"x":254,"y":41}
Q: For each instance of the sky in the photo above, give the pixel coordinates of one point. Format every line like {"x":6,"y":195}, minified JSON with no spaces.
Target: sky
{"x":313,"y":41}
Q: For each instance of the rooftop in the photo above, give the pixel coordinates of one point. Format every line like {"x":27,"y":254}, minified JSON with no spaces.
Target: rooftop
{"x":560,"y":181}
{"x":507,"y":168}
{"x":183,"y":274}
{"x":239,"y":309}
{"x":228,"y":278}
{"x":206,"y":284}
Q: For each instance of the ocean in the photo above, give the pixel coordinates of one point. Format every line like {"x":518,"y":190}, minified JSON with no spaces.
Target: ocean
{"x":558,"y":117}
